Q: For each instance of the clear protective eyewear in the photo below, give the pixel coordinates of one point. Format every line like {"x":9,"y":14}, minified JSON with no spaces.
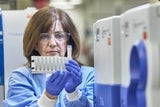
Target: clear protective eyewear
{"x":59,"y":36}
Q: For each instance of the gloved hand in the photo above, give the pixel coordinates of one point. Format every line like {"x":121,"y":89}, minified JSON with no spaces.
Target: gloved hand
{"x":75,"y":76}
{"x":56,"y":82}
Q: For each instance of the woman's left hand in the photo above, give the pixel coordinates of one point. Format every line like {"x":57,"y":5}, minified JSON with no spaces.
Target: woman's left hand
{"x":75,"y":76}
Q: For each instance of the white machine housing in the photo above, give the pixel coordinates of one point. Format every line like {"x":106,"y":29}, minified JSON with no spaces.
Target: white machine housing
{"x":14,"y":23}
{"x":140,"y":24}
{"x":107,"y":62}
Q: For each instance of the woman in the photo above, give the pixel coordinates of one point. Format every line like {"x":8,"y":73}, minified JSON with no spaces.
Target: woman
{"x":48,"y":33}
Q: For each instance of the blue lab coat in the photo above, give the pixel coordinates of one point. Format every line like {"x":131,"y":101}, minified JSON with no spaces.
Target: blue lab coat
{"x":25,"y":89}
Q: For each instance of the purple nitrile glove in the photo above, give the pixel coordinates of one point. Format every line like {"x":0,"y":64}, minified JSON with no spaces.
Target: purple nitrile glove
{"x":56,"y":82}
{"x":75,"y":76}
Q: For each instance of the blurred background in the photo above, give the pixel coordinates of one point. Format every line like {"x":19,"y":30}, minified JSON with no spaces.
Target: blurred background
{"x":83,"y":12}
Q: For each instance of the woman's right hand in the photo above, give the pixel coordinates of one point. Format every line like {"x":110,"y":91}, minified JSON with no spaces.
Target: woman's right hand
{"x":56,"y":82}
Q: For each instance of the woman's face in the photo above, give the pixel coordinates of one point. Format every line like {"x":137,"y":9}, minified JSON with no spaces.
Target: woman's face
{"x":53,"y":42}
